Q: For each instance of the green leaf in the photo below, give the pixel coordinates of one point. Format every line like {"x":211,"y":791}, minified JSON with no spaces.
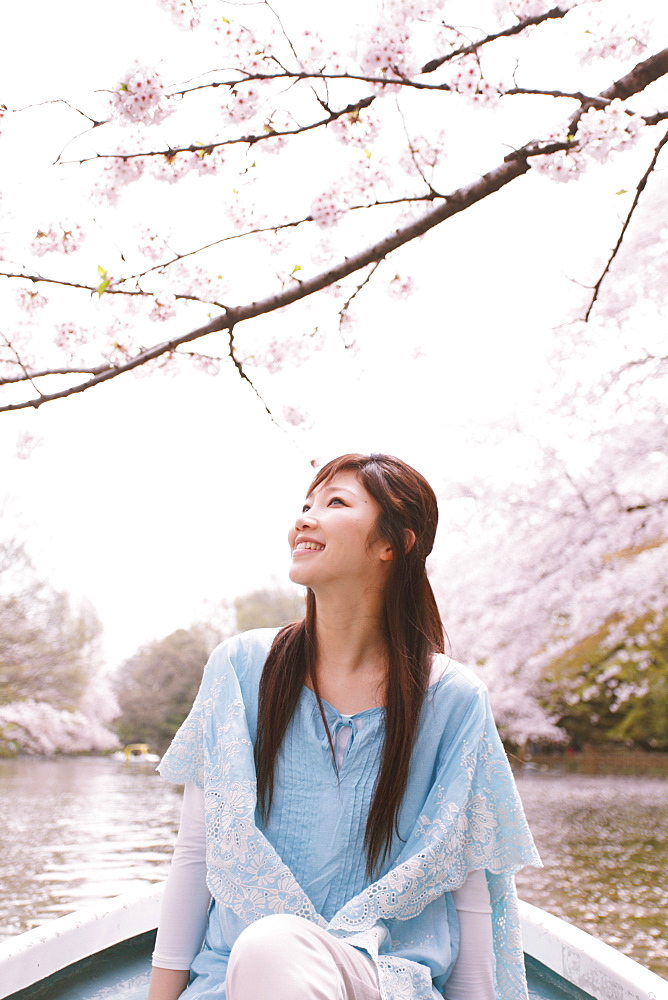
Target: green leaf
{"x":104,"y":284}
{"x":621,"y":191}
{"x":296,"y":268}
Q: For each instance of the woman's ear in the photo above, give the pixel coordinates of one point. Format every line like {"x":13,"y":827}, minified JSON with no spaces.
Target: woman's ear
{"x":409,"y":541}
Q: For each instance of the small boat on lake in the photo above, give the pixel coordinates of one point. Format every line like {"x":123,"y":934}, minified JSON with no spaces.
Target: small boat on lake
{"x":104,"y":951}
{"x":136,"y":753}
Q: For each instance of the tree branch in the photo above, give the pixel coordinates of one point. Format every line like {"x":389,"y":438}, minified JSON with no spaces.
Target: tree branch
{"x":639,"y":190}
{"x":515,"y":165}
{"x":526,"y":22}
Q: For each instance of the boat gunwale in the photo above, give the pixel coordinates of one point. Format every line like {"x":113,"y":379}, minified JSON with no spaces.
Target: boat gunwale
{"x":576,"y":956}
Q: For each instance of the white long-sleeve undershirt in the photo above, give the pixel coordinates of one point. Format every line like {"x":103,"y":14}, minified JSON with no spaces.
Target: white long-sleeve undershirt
{"x":185,"y":906}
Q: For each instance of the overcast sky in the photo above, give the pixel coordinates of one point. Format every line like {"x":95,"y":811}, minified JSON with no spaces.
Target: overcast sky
{"x":154,"y":497}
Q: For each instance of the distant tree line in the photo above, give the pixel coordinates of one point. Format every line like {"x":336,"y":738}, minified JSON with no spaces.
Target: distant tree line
{"x":157,"y":686}
{"x":51,"y":696}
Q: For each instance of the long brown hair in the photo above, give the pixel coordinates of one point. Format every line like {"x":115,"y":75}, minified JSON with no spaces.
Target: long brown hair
{"x":413,"y":632}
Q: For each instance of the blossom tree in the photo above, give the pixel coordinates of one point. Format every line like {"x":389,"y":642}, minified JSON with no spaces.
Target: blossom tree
{"x":320,"y":146}
{"x":284,"y":156}
{"x":52,"y":697}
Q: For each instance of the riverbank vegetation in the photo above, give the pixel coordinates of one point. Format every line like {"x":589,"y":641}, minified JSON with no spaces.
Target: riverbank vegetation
{"x":52,"y":696}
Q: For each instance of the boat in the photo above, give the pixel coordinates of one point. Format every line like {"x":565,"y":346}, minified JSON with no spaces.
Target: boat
{"x":136,"y":753}
{"x":104,"y":951}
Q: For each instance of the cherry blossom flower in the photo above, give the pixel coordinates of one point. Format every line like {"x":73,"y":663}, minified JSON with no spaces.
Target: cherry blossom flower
{"x":295,"y":417}
{"x":26,"y":444}
{"x":355,"y":129}
{"x":61,"y":237}
{"x":326,"y":209}
{"x":171,"y":169}
{"x":70,"y":335}
{"x":141,"y":98}
{"x":117,"y":173}
{"x":163,"y":306}
{"x":401,"y":287}
{"x":185,"y":13}
{"x":151,"y":245}
{"x":242,"y":104}
{"x":624,"y":40}
{"x":602,"y":132}
{"x":29,"y":300}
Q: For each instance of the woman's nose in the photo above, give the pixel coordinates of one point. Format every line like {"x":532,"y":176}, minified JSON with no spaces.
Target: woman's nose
{"x":305,"y":520}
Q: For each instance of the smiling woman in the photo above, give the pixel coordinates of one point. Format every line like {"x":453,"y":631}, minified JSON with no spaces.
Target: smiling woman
{"x":345,"y":783}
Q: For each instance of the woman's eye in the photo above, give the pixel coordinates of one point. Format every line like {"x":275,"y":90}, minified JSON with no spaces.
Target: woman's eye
{"x":336,"y":500}
{"x":305,"y":508}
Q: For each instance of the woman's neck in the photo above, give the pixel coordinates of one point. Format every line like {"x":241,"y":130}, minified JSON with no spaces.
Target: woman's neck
{"x":351,"y":667}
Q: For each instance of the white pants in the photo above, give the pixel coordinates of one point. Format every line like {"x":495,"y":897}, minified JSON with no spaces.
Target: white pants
{"x":284,"y":957}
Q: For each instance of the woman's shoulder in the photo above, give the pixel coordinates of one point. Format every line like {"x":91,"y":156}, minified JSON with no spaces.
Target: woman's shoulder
{"x":447,"y":672}
{"x":246,"y":650}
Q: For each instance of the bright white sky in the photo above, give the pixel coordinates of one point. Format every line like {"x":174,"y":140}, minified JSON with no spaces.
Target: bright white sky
{"x":154,"y":498}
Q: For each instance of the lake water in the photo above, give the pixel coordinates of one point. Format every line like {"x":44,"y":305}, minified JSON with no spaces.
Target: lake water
{"x":78,"y":830}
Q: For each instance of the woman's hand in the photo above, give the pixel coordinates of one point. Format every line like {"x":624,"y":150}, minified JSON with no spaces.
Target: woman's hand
{"x":167,"y":984}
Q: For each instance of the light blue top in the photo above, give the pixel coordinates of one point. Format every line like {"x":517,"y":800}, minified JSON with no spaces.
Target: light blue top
{"x":460,"y":812}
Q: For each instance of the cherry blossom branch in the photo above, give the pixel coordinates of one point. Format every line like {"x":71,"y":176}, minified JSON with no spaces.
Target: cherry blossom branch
{"x":14,"y":380}
{"x":346,"y":305}
{"x":639,"y":190}
{"x":514,"y":165}
{"x":516,"y":29}
{"x":250,"y":140}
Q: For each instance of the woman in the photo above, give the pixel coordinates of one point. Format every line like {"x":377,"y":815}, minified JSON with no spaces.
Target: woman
{"x":376,"y":860}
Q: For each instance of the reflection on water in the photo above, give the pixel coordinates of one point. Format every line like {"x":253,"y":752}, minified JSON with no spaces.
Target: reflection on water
{"x":77,"y":830}
{"x":604,"y":844}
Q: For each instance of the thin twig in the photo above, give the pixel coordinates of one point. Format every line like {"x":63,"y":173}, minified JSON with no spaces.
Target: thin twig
{"x":639,"y":190}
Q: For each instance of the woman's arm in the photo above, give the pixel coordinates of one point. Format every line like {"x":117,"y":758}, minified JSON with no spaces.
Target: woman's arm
{"x":167,"y":984}
{"x":472,"y":977}
{"x":185,"y":903}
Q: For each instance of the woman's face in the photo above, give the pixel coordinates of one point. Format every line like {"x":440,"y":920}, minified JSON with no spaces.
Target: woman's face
{"x":333,"y":540}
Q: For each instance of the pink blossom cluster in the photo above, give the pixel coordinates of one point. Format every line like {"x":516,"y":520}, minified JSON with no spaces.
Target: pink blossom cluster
{"x":70,"y":336}
{"x":36,"y":727}
{"x":530,"y":8}
{"x":26,"y":444}
{"x":467,"y":79}
{"x":205,"y":364}
{"x":141,"y":98}
{"x":327,"y":208}
{"x":388,"y":54}
{"x":413,"y":10}
{"x":606,"y":131}
{"x":242,"y":104}
{"x":185,"y":13}
{"x":423,"y":154}
{"x":311,"y":48}
{"x":173,"y":168}
{"x":29,"y":300}
{"x":295,"y":417}
{"x":163,"y":306}
{"x":618,"y":41}
{"x":248,"y":53}
{"x":279,"y":352}
{"x":151,"y":245}
{"x":600,"y":133}
{"x":355,"y":129}
{"x":117,"y":173}
{"x":61,"y":237}
{"x":401,"y":286}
